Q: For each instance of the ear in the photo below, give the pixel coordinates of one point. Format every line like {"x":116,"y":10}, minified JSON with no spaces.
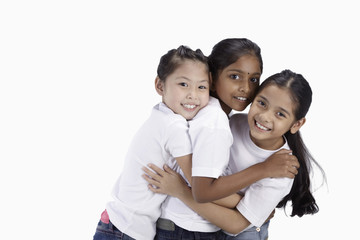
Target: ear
{"x":297,"y":125}
{"x":159,"y":86}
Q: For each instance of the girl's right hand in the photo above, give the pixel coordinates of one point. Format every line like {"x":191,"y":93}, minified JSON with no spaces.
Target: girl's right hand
{"x":165,"y":181}
{"x":281,"y":164}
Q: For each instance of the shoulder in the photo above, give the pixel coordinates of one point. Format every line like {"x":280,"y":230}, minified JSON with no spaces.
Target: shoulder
{"x":166,"y":116}
{"x":212,"y":107}
{"x":211,"y":115}
{"x":238,"y":119}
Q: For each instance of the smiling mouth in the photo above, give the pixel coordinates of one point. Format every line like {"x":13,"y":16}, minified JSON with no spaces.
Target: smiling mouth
{"x":261,"y":126}
{"x":241,"y":98}
{"x":189,"y":106}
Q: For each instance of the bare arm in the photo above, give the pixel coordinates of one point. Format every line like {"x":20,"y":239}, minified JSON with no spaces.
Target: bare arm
{"x":280,"y":164}
{"x":171,"y":183}
{"x":185,"y":163}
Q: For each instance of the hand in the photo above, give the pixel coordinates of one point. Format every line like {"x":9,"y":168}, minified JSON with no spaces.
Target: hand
{"x":282,"y":164}
{"x":165,"y":181}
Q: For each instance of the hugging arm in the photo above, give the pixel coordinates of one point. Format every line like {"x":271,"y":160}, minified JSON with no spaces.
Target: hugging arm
{"x":169,"y":182}
{"x":280,"y":164}
{"x":185,"y":163}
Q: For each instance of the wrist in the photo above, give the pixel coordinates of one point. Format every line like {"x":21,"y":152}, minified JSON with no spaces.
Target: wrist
{"x":184,"y":194}
{"x":262,"y":170}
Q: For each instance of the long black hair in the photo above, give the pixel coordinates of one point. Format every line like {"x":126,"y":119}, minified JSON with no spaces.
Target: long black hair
{"x":303,"y":202}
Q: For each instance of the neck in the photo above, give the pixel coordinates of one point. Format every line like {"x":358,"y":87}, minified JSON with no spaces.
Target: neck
{"x":268,"y":144}
{"x":224,"y":107}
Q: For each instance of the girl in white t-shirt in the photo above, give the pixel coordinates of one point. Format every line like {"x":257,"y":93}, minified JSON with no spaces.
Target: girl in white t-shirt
{"x":273,"y":122}
{"x":183,"y":82}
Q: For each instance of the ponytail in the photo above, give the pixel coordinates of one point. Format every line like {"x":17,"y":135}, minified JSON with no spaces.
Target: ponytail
{"x":300,"y":195}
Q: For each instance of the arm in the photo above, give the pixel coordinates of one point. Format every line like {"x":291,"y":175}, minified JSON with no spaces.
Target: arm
{"x":185,"y":163}
{"x":280,"y":164}
{"x":171,"y":183}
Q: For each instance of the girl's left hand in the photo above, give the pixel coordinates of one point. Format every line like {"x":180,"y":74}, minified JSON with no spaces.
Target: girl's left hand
{"x":165,"y":181}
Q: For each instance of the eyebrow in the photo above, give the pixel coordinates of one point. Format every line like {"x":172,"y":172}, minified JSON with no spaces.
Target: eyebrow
{"x":183,"y":77}
{"x":282,"y":109}
{"x":240,"y":71}
{"x":205,"y":80}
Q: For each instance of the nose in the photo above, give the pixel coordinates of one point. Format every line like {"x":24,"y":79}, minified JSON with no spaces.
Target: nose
{"x":244,"y":86}
{"x":265,"y":116}
{"x":192,"y":94}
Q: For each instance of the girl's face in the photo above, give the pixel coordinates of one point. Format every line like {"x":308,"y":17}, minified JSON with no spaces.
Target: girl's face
{"x":186,"y":90}
{"x":237,"y":83}
{"x":271,"y":115}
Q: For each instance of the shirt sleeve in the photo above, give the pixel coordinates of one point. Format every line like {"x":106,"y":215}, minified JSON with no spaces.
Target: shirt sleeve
{"x":211,"y":152}
{"x":262,"y":197}
{"x":178,"y":140}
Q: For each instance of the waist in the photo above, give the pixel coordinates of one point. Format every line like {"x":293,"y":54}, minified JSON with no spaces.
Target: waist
{"x":189,"y":225}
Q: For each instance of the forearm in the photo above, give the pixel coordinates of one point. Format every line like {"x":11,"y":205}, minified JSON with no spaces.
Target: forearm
{"x":227,"y":219}
{"x":208,"y":189}
{"x":169,"y":182}
{"x":229,"y":201}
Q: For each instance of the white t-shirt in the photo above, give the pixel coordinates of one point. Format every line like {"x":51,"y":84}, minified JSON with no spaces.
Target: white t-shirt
{"x":162,"y":138}
{"x":211,"y":140}
{"x":262,"y":197}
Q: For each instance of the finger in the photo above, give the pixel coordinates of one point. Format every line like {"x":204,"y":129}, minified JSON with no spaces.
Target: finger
{"x":283,"y":151}
{"x":156,"y":169}
{"x":291,"y":175}
{"x":151,"y":180}
{"x":155,"y":190}
{"x":293,"y":170}
{"x":168,"y":169}
{"x":150,"y":173}
{"x":293,"y":161}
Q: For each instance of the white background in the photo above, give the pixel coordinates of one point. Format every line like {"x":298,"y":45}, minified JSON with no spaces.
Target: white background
{"x":77,"y":80}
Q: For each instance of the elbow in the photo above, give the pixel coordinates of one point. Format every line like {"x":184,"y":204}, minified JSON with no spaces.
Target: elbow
{"x":235,"y":228}
{"x":202,"y":190}
{"x":233,"y":231}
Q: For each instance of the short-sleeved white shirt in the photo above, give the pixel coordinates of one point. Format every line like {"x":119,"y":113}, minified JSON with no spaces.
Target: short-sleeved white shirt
{"x":262,"y":197}
{"x":162,"y":138}
{"x":211,"y":140}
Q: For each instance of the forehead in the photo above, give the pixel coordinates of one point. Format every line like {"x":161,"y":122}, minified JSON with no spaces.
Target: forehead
{"x":246,"y":63}
{"x":190,"y":66}
{"x":191,"y":70}
{"x":278,"y":97}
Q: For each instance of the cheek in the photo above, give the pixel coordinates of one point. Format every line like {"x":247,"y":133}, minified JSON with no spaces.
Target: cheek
{"x":283,"y":127}
{"x":251,"y":115}
{"x":220,"y":84}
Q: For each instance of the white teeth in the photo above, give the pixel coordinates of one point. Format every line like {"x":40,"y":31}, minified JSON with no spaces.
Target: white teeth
{"x":261,"y":126}
{"x":241,"y":98}
{"x":189,"y":106}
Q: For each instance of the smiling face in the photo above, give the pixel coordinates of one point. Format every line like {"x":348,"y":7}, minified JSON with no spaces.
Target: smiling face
{"x":271,"y":115}
{"x":186,"y":90}
{"x":237,"y":83}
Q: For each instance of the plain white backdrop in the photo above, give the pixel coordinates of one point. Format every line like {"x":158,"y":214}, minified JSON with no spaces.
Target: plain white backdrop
{"x":77,"y":81}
